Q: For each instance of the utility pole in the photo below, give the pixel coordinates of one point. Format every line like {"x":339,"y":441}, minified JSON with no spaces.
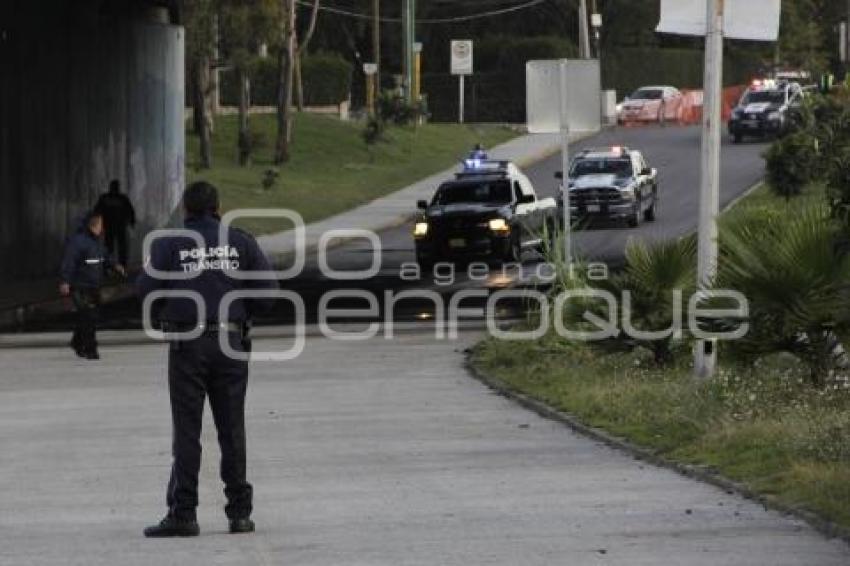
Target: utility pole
{"x":583,"y":32}
{"x":597,"y":35}
{"x":709,"y":201}
{"x":565,"y":165}
{"x":376,"y":40}
{"x":409,"y":23}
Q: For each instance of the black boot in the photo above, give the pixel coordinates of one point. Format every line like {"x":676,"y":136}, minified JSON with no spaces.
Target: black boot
{"x":243,"y":525}
{"x":173,"y":527}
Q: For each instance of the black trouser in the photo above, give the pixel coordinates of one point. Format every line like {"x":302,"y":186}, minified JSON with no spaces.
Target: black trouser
{"x":197,"y":368}
{"x":116,"y":236}
{"x":86,"y":303}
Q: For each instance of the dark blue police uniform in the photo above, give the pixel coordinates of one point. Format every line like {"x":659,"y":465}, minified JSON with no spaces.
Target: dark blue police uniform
{"x":199,"y":367}
{"x":83,"y":267}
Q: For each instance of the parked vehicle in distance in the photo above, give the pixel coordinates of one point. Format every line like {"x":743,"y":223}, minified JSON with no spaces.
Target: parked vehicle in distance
{"x":767,"y":108}
{"x":613,"y":183}
{"x":489,"y":211}
{"x":651,"y":104}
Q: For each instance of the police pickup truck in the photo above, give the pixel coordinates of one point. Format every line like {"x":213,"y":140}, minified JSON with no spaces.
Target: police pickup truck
{"x":612,"y":183}
{"x":767,"y":108}
{"x":488,"y":211}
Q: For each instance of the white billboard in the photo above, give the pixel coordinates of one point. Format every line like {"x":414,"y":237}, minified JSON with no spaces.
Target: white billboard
{"x":543,"y":91}
{"x":756,"y":20}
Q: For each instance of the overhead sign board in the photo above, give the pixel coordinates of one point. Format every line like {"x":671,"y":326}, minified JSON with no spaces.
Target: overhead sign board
{"x":461,"y":57}
{"x":370,"y":68}
{"x":756,"y":20}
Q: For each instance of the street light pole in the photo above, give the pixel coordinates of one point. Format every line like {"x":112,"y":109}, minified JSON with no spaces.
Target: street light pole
{"x":709,"y":202}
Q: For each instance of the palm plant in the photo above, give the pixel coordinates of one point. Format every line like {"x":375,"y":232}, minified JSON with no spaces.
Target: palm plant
{"x":656,"y":278}
{"x":797,"y":281}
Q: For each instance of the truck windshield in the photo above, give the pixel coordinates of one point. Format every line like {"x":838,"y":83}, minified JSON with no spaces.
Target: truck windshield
{"x":619,"y":167}
{"x":489,"y":192}
{"x":769,"y":96}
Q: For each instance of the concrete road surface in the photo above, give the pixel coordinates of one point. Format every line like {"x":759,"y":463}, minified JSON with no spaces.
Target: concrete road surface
{"x":378,"y":454}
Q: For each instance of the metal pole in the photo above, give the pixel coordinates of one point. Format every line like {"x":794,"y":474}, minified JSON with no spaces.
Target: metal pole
{"x":565,"y":165}
{"x":376,"y":40}
{"x":709,"y":202}
{"x":583,"y":33}
{"x":409,"y":24}
{"x":597,"y":34}
{"x":460,"y":104}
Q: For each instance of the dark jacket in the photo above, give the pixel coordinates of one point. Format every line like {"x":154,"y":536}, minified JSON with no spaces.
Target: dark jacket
{"x":117,"y":211}
{"x":85,"y":259}
{"x":211,"y":262}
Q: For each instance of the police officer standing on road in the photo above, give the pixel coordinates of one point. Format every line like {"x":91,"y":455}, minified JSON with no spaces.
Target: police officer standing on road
{"x":199,"y":367}
{"x":83,"y":267}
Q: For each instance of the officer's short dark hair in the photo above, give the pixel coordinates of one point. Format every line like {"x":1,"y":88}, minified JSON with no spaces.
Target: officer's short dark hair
{"x":200,"y":198}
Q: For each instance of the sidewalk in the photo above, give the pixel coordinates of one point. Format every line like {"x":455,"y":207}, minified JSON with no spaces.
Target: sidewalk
{"x":383,"y":453}
{"x":396,"y":208}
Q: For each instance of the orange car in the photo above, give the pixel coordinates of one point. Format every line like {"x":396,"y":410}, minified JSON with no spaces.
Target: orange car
{"x":651,"y":104}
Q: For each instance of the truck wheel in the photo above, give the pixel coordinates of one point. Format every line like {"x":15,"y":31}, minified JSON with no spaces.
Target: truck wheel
{"x":514,"y":252}
{"x":649,"y":213}
{"x":635,"y":218}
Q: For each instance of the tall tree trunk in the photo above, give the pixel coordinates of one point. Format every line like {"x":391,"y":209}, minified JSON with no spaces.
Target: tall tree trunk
{"x":200,"y":85}
{"x":302,"y":48}
{"x":285,"y":82}
{"x":244,"y":104}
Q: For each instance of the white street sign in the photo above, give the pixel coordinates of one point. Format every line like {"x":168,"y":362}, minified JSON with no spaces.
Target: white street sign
{"x":461,"y":57}
{"x":756,"y":20}
{"x":370,"y":68}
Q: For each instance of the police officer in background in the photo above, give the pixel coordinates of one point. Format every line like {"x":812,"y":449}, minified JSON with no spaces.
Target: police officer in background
{"x":84,"y":265}
{"x":118,"y":214}
{"x":200,"y":367}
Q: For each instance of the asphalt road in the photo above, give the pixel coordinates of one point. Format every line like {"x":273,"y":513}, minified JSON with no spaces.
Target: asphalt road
{"x":674,"y":151}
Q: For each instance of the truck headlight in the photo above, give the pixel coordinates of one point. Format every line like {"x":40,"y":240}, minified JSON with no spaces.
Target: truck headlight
{"x":420,"y":230}
{"x":499,"y":225}
{"x":627,"y":194}
{"x":774,"y":116}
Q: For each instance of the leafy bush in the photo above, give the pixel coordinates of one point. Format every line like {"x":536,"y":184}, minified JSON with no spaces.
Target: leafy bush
{"x":393,"y":107}
{"x":791,"y":164}
{"x":797,"y":282}
{"x":327,"y":79}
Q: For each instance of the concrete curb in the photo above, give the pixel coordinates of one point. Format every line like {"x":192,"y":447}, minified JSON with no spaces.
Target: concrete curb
{"x":701,"y":473}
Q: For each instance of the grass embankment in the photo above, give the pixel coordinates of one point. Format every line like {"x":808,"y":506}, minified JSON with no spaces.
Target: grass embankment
{"x":331,"y":168}
{"x":765,"y":426}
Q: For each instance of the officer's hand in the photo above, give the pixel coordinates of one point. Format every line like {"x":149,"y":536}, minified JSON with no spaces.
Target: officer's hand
{"x":64,"y":289}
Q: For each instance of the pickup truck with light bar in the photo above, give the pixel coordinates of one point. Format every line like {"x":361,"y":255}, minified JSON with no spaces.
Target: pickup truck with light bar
{"x":767,"y":108}
{"x":489,"y":211}
{"x":613,"y":184}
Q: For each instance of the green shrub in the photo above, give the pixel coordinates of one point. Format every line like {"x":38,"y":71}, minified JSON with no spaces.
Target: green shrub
{"x":327,"y":79}
{"x":393,"y":107}
{"x":796,"y":281}
{"x":792,"y":164}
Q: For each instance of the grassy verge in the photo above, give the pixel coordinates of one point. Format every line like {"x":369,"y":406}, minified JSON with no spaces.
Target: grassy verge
{"x":762,"y":426}
{"x":331,"y":169}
